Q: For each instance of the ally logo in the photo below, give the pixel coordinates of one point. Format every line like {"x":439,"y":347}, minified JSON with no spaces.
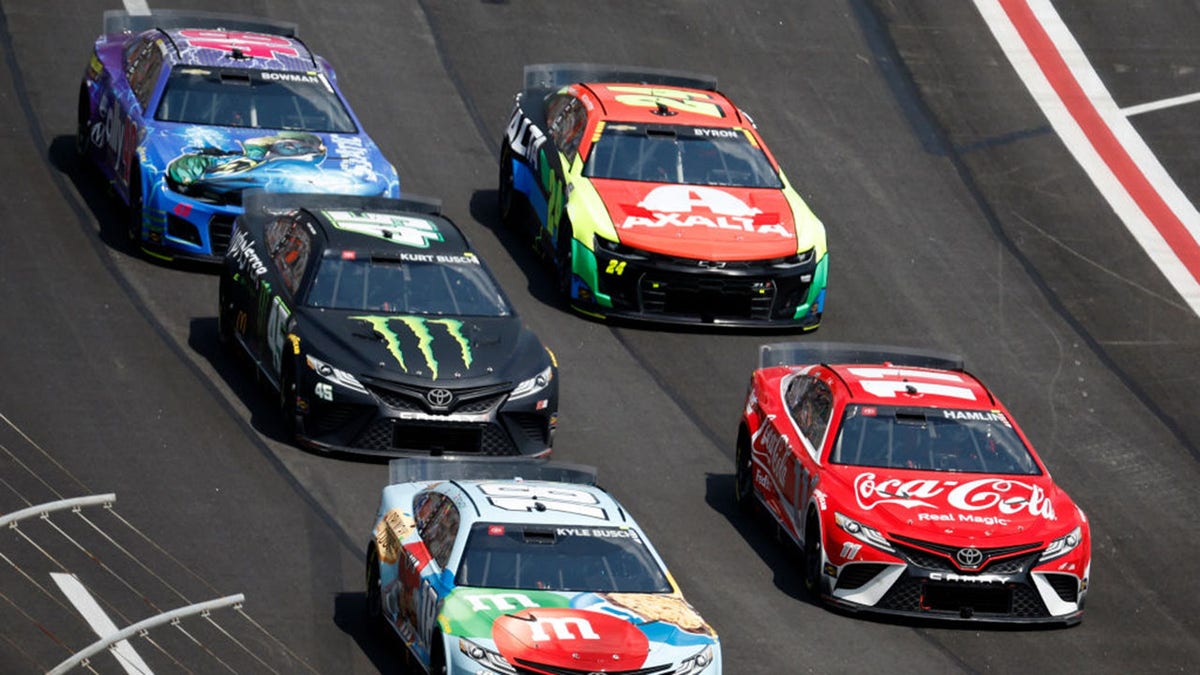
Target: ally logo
{"x":419,"y":326}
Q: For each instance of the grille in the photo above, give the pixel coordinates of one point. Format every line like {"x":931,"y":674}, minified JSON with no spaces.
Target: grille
{"x":1066,"y":585}
{"x":855,"y":575}
{"x":706,"y":296}
{"x":451,"y":439}
{"x":941,"y":557}
{"x":220,"y":231}
{"x":524,"y":665}
{"x":333,"y":416}
{"x":1009,"y":600}
{"x":181,"y":229}
{"x":496,"y":441}
{"x":533,"y":426}
{"x":466,"y":402}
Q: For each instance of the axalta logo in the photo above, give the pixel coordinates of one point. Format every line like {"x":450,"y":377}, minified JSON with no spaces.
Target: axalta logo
{"x":419,"y":326}
{"x":682,"y":206}
{"x":406,"y":230}
{"x":1001,"y":494}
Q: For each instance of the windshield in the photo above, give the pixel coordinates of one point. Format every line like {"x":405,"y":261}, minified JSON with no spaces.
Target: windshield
{"x":461,"y":288}
{"x":541,"y":557}
{"x":689,"y":155}
{"x":931,"y":440}
{"x":254,"y":99}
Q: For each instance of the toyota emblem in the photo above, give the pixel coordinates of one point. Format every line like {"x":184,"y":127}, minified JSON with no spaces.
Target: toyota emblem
{"x":439,"y":398}
{"x":969,"y":557}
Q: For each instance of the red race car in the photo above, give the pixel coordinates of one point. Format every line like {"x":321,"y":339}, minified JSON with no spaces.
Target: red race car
{"x":909,"y":487}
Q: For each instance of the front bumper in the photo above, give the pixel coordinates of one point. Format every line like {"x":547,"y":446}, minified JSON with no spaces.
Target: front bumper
{"x":664,"y":289}
{"x":916,"y":582}
{"x":393,"y":420}
{"x":175,"y":226}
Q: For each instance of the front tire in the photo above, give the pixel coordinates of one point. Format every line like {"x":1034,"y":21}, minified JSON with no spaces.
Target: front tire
{"x":505,"y":196}
{"x":134,"y":226}
{"x":563,"y":263}
{"x":287,"y":400}
{"x":437,"y":655}
{"x":812,"y":557}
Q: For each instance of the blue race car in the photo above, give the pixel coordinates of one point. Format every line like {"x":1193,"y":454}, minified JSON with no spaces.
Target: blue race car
{"x":182,"y":111}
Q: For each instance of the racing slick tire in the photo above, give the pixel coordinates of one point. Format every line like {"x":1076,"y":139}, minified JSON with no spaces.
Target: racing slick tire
{"x":374,"y":592}
{"x":812,"y":557}
{"x":505,"y":192}
{"x":743,"y":477}
{"x":133,"y":227}
{"x":82,"y":133}
{"x":287,"y":399}
{"x":437,"y":655}
{"x":562,"y":259}
{"x":224,"y":320}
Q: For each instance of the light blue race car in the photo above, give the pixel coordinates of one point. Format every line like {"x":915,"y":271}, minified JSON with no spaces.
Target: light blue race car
{"x":182,"y":111}
{"x":519,"y":566}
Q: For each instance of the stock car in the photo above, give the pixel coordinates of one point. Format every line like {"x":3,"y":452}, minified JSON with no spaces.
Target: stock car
{"x":182,"y":111}
{"x":656,"y":199}
{"x":504,"y":566}
{"x":909,"y":487}
{"x":382,"y":330}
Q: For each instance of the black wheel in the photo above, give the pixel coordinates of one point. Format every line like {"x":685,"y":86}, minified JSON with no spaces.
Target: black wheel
{"x":82,"y":133}
{"x":504,"y":192}
{"x":134,"y":226}
{"x":437,"y":655}
{"x":812,"y":557}
{"x":224,"y":319}
{"x":743,"y":477}
{"x":287,"y":399}
{"x":374,"y":592}
{"x":563,"y":258}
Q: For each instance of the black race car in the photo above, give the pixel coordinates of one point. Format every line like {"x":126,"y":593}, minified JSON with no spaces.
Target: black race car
{"x":382,"y":331}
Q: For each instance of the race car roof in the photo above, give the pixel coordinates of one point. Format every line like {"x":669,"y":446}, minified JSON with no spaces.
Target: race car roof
{"x":899,"y":385}
{"x":655,"y":104}
{"x":234,"y":49}
{"x":370,"y":225}
{"x":542,"y":503}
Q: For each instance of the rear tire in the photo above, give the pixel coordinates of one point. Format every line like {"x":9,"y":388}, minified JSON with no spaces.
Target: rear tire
{"x":374,"y":591}
{"x":82,"y":132}
{"x":743,"y":477}
{"x":505,"y":192}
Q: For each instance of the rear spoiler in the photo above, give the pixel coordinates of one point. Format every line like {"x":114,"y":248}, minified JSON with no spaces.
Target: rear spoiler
{"x":806,"y":353}
{"x":263,"y":202}
{"x":555,"y":75}
{"x":121,"y":21}
{"x":418,"y":469}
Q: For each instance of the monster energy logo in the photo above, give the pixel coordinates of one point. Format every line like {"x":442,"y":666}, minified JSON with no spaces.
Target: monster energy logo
{"x":420,"y":327}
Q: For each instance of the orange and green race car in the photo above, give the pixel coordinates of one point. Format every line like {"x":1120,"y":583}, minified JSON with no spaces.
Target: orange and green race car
{"x":656,"y":199}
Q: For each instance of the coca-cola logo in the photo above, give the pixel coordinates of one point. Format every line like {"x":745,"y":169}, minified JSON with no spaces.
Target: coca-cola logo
{"x":1005,"y":495}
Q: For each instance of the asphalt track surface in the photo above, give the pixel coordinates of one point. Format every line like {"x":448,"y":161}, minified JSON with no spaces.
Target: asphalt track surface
{"x":956,"y":220}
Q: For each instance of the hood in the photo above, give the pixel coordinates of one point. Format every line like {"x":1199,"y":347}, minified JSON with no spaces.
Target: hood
{"x":211,"y":161}
{"x":423,"y":349}
{"x":624,"y":630}
{"x":953,"y":507}
{"x":700,"y":221}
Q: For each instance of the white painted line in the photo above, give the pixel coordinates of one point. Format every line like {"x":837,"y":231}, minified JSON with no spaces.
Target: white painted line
{"x":137,"y":7}
{"x":1055,"y":70}
{"x":1159,"y":105}
{"x":99,"y":621}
